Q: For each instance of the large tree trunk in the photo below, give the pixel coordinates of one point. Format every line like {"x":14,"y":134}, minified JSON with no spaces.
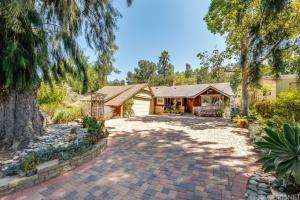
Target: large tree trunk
{"x":20,"y":119}
{"x":245,"y":78}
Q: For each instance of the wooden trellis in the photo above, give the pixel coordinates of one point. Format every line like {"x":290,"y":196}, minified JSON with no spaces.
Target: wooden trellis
{"x":97,"y":106}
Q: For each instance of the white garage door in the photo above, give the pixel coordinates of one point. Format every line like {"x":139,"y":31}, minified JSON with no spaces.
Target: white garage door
{"x":141,"y":107}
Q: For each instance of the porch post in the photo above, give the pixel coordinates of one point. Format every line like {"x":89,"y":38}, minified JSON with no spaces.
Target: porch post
{"x":121,"y":111}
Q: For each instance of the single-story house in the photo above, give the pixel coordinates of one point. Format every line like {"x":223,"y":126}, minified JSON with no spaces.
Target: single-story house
{"x":115,"y":97}
{"x":155,"y":100}
{"x":190,"y":97}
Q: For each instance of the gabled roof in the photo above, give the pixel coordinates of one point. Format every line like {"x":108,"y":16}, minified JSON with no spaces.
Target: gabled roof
{"x":117,"y":95}
{"x":191,"y":90}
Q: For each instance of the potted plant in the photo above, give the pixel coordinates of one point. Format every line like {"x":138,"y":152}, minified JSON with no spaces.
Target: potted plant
{"x":241,"y":122}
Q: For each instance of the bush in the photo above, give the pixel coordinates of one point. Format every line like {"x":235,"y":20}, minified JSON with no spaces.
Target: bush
{"x":68,"y":114}
{"x":87,"y":121}
{"x":51,"y":95}
{"x":282,"y":155}
{"x":287,"y":105}
{"x":96,"y":129}
{"x":264,"y":108}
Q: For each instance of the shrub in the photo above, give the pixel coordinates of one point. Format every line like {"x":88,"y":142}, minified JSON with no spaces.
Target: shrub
{"x":29,"y":164}
{"x":86,"y":121}
{"x":67,"y":114}
{"x":51,"y":95}
{"x":287,"y":105}
{"x":264,"y":108}
{"x":127,"y":107}
{"x":282,"y":155}
{"x":219,"y":112}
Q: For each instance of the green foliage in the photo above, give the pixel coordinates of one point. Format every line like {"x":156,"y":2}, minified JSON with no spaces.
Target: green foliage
{"x":256,"y":36}
{"x":116,"y":82}
{"x":287,"y":105}
{"x":39,"y":39}
{"x":144,"y":73}
{"x":188,"y":71}
{"x":86,"y":121}
{"x":68,"y":114}
{"x":127,"y":107}
{"x":96,"y":74}
{"x":281,"y":154}
{"x":181,"y":79}
{"x":264,"y":108}
{"x":241,"y":121}
{"x":13,"y":169}
{"x":219,"y":112}
{"x":28,"y":164}
{"x":54,"y":94}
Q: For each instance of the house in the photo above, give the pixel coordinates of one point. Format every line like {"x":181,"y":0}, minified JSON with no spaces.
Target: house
{"x":188,"y":98}
{"x":283,"y":83}
{"x":115,"y":98}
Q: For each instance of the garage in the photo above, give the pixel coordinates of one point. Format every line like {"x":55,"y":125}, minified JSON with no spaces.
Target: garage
{"x":141,"y":107}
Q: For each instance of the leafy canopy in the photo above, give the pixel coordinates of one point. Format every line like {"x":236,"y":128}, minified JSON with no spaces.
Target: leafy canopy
{"x":269,"y":30}
{"x":39,"y":38}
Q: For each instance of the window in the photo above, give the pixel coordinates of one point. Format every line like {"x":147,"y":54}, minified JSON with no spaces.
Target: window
{"x":214,"y":101}
{"x":205,"y":101}
{"x":210,"y":100}
{"x":160,"y":101}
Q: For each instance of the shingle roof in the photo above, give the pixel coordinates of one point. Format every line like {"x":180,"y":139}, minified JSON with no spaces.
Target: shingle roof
{"x":117,"y":95}
{"x":190,"y":90}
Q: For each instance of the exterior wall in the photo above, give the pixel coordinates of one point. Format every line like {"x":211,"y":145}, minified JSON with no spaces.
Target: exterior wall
{"x":272,"y":84}
{"x":158,"y":109}
{"x":278,"y":86}
{"x":285,"y":84}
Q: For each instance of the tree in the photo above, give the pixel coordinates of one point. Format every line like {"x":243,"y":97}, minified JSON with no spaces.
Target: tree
{"x":163,"y":63}
{"x":38,"y":39}
{"x":144,"y":73}
{"x":188,"y":71}
{"x":181,"y":79}
{"x":165,"y":70}
{"x":256,"y":31}
{"x":116,"y":82}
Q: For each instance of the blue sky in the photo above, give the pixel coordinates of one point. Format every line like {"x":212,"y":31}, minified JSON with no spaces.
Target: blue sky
{"x":150,"y":26}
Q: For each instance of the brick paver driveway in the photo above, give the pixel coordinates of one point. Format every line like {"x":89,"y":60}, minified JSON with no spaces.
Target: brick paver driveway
{"x":160,"y":157}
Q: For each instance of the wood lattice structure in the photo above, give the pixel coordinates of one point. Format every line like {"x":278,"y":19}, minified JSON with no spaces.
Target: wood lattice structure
{"x":97,"y":106}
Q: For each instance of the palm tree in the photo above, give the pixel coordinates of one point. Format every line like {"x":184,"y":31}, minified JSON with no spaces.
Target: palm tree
{"x":163,"y":64}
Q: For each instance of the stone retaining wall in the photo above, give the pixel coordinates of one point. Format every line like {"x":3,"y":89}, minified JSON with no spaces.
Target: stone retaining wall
{"x":48,"y":170}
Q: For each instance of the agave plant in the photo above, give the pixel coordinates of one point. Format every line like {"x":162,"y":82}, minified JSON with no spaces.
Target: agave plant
{"x":281,"y":152}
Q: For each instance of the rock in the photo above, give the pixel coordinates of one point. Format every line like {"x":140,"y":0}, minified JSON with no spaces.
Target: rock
{"x":7,"y":162}
{"x":252,"y":187}
{"x":271,"y":197}
{"x":16,"y":157}
{"x":267,"y":190}
{"x":263,"y":185}
{"x":262,"y":197}
{"x":251,"y":195}
{"x":261,"y":192}
{"x":23,"y":154}
{"x":253,"y":182}
{"x":73,"y":131}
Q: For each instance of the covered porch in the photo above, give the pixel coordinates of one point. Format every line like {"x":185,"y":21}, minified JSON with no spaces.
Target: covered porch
{"x":206,"y":103}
